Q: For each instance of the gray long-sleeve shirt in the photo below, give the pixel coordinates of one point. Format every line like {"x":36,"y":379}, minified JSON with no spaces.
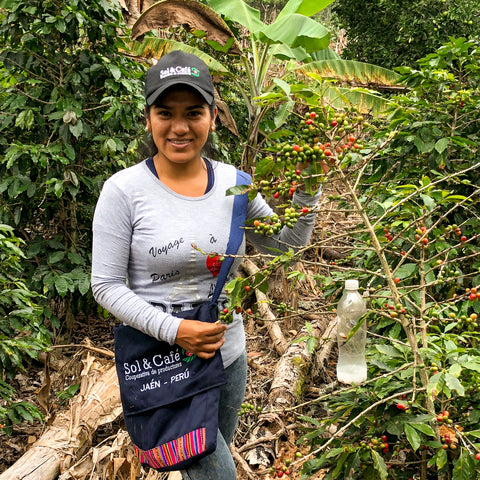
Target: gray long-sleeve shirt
{"x":143,"y":264}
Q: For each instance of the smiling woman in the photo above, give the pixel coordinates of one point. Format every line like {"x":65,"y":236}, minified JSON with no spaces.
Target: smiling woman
{"x":154,"y":221}
{"x":180,"y":122}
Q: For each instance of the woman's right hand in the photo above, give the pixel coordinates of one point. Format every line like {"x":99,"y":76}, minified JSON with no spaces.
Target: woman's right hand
{"x":201,"y":338}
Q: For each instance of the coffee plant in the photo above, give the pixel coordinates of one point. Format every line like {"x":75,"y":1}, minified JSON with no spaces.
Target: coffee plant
{"x":22,"y":334}
{"x":71,"y":113}
{"x":409,"y":184}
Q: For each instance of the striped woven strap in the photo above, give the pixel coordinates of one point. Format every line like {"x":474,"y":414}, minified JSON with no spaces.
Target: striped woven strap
{"x":174,"y":452}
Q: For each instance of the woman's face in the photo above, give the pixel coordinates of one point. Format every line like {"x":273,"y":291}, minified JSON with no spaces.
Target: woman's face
{"x":180,"y":122}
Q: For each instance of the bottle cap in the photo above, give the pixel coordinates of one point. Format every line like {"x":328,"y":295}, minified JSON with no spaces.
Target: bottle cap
{"x":351,"y":284}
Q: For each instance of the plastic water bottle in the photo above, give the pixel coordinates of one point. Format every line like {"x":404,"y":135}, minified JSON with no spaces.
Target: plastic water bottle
{"x":351,"y":365}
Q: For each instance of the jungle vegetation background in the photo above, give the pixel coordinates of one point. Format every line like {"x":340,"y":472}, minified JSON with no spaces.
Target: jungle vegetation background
{"x":71,"y":115}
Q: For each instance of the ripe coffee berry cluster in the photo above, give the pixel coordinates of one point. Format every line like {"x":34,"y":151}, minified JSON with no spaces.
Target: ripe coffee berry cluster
{"x":324,"y":137}
{"x":472,"y":293}
{"x":403,"y":407}
{"x":387,"y":233}
{"x":420,"y":235}
{"x":281,"y":470}
{"x":455,"y":230}
{"x":380,"y":443}
{"x":444,"y":417}
{"x":282,"y":186}
{"x":275,"y":223}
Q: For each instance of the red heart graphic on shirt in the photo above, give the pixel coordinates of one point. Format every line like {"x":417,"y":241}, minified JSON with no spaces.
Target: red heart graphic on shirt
{"x":214,"y":263}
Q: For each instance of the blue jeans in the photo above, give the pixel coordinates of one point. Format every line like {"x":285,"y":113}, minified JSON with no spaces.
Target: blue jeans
{"x":220,"y":464}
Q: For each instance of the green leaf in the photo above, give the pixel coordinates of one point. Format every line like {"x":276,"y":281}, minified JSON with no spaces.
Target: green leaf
{"x":436,"y":384}
{"x":439,"y":459}
{"x":115,"y":71}
{"x":265,"y":167}
{"x":304,"y":7}
{"x":339,"y":465}
{"x":406,"y":270}
{"x":356,"y":327}
{"x":351,"y":71}
{"x":442,"y":144}
{"x":472,"y":365}
{"x":429,"y":202}
{"x":412,"y":436}
{"x":283,"y":52}
{"x":110,"y":146}
{"x":283,"y":112}
{"x":7,"y":4}
{"x":77,"y":129}
{"x":311,"y":344}
{"x":56,"y":257}
{"x":238,"y":190}
{"x":297,"y":31}
{"x":62,"y":285}
{"x":84,"y":285}
{"x":455,"y":198}
{"x":61,"y":26}
{"x":219,"y":47}
{"x":389,"y":350}
{"x":454,"y":384}
{"x":25,"y":414}
{"x":424,"y":428}
{"x":463,"y":467}
{"x":240,"y":12}
{"x":25,"y":119}
{"x":379,"y":465}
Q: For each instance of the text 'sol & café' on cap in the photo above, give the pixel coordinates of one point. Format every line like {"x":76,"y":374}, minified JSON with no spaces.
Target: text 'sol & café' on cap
{"x":178,"y":68}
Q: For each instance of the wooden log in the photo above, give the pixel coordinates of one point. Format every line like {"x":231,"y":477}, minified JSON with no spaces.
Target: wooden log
{"x":285,"y":392}
{"x":291,"y":372}
{"x":97,"y":403}
{"x":264,"y":312}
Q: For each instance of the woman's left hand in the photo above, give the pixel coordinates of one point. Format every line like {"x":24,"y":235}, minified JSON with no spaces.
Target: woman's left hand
{"x":201,"y":338}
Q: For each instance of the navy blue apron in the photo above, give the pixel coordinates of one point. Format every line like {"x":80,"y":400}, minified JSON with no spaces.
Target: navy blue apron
{"x":169,"y":396}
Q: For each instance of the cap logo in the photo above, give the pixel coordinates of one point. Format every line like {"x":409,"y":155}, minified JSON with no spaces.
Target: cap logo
{"x":178,"y":70}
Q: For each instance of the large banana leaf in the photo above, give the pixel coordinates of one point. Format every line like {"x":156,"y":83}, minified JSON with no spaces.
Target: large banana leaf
{"x":239,"y":12}
{"x":304,"y":7}
{"x":356,"y":73}
{"x":297,"y":30}
{"x":197,"y":16}
{"x":292,"y":29}
{"x":154,"y":47}
{"x":366,"y":101}
{"x":325,"y":54}
{"x":283,"y":52}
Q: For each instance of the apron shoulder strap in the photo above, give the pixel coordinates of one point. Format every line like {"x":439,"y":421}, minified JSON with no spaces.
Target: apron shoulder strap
{"x":237,"y":231}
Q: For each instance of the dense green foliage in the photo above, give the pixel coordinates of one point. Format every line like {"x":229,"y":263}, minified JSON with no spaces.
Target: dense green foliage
{"x":22,"y":333}
{"x":392,"y":34}
{"x":411,"y":181}
{"x":413,"y":185}
{"x":71,"y":104}
{"x":419,"y":260}
{"x":71,"y":113}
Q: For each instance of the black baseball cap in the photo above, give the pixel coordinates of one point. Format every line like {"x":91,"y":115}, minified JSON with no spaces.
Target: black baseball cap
{"x":178,"y":68}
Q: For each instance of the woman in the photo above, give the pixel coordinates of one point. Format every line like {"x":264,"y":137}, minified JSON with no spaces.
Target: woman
{"x":148,"y":217}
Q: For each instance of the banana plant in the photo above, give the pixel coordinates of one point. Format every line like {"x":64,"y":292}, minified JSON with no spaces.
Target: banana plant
{"x":294,"y":38}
